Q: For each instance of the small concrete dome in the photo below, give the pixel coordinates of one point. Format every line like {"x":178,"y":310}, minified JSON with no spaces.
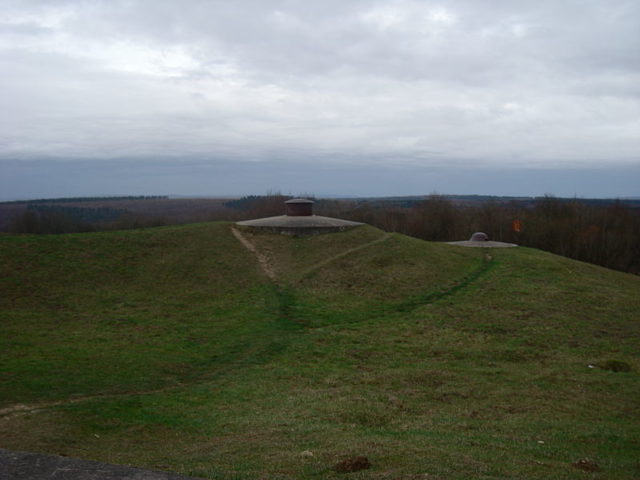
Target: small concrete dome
{"x":479,"y":237}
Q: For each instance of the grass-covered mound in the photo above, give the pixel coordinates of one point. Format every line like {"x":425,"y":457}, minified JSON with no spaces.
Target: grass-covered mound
{"x":172,"y":349}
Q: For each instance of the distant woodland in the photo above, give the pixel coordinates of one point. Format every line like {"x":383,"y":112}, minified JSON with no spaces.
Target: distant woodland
{"x":604,"y":232}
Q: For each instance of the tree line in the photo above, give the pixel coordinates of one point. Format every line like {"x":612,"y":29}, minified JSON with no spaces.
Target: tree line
{"x":53,"y":219}
{"x":89,"y":199}
{"x":605,"y":233}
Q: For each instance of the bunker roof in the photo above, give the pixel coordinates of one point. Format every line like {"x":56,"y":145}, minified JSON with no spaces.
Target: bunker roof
{"x":299,"y":200}
{"x":299,"y":220}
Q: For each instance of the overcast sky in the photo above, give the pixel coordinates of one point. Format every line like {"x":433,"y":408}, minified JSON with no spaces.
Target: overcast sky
{"x":351,"y":97}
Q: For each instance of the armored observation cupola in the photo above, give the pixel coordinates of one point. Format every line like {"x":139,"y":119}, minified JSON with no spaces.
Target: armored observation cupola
{"x":481,"y":239}
{"x":298,"y":207}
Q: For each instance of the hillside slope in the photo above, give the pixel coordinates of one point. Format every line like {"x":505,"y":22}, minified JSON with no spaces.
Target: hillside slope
{"x":430,"y":359}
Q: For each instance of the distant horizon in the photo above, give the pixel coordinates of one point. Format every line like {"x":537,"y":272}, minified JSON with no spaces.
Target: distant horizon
{"x":42,"y":178}
{"x":318,"y":196}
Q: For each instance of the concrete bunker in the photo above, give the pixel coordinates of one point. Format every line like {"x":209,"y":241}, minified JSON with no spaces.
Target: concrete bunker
{"x":299,"y":220}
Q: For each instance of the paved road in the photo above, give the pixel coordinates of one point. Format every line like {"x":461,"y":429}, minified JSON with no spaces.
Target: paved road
{"x":37,"y":466}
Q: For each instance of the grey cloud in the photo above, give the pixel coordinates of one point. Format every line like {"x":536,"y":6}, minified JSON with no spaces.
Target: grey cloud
{"x":319,"y":37}
{"x":407,"y":83}
{"x":27,"y":29}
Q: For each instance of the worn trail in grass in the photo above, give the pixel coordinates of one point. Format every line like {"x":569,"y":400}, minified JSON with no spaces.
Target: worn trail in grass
{"x":287,"y":318}
{"x":432,"y":360}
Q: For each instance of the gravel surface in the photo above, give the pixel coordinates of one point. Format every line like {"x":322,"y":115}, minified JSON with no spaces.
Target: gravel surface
{"x":37,"y":466}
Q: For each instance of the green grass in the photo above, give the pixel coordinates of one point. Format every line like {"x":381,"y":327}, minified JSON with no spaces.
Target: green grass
{"x":170,"y":349}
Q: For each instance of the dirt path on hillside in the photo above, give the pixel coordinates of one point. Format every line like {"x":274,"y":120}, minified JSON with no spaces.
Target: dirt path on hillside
{"x":267,"y":267}
{"x":309,"y":271}
{"x":22,"y":409}
{"x":264,"y":262}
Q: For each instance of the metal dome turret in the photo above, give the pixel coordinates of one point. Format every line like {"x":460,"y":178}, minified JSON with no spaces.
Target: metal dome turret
{"x":298,"y":207}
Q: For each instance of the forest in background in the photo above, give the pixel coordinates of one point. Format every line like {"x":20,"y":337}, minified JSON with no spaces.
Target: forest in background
{"x":603,"y":232}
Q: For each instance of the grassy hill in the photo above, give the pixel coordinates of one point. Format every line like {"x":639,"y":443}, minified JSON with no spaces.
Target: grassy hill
{"x":172,"y":349}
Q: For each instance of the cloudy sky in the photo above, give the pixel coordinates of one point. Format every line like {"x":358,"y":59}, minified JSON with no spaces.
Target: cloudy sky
{"x":332,"y":97}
